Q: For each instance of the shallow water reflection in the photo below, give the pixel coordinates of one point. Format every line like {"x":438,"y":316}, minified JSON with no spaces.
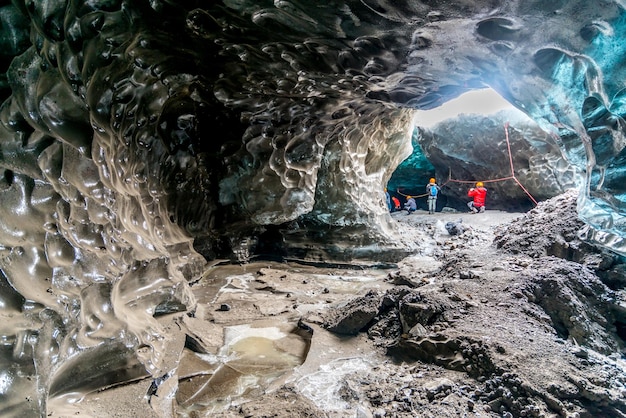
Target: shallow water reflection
{"x":252,"y":357}
{"x":242,"y":339}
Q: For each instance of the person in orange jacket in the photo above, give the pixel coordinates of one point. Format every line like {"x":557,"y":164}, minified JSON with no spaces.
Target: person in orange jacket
{"x":478,"y":193}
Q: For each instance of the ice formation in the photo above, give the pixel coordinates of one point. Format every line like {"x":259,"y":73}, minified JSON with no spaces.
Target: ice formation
{"x":139,"y":139}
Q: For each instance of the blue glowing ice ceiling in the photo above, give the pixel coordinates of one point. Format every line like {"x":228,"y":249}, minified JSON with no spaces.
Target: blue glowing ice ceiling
{"x":139,"y":139}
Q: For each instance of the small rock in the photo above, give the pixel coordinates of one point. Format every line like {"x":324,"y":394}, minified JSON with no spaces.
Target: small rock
{"x":475,"y":274}
{"x":362,"y":412}
{"x":470,"y":274}
{"x":224,"y":307}
{"x":418,"y":331}
{"x":580,"y":352}
{"x":455,"y":228}
{"x":379,"y":413}
{"x":439,"y":385}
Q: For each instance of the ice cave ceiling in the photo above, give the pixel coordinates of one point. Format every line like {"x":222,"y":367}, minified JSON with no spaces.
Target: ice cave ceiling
{"x":141,"y":138}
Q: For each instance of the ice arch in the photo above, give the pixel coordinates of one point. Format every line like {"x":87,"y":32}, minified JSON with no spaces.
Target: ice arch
{"x":140,"y":138}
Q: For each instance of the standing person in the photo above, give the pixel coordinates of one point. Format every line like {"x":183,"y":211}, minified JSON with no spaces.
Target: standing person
{"x":410,"y":205}
{"x":433,"y":190}
{"x":388,"y":199}
{"x":396,"y":203}
{"x":478,"y":193}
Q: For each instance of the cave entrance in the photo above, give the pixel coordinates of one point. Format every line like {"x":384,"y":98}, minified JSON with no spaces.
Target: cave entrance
{"x":479,"y":102}
{"x":451,"y":140}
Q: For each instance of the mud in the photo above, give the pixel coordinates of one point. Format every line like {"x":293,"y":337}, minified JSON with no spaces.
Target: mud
{"x":513,"y":317}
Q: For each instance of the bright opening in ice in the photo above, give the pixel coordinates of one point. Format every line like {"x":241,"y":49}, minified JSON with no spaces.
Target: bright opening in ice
{"x":481,"y":102}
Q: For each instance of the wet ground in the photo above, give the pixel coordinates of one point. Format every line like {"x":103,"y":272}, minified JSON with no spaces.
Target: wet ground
{"x":460,"y":328}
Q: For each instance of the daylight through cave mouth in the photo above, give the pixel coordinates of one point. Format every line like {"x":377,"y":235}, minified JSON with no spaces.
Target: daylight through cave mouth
{"x":479,"y":136}
{"x":141,"y":141}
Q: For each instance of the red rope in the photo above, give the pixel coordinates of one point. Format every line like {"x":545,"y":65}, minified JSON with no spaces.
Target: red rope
{"x":508,"y":146}
{"x":511,"y":177}
{"x":526,"y":191}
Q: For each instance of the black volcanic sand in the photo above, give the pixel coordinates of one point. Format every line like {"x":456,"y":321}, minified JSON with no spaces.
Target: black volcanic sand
{"x":509,"y":318}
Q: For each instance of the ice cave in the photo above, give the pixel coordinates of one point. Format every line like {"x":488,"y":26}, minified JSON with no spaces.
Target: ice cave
{"x":193,"y":219}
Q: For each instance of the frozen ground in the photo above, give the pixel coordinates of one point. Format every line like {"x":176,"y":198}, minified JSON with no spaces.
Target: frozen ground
{"x":512,"y":317}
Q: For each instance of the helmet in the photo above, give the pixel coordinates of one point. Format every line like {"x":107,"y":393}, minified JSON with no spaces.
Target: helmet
{"x":408,"y":197}
{"x":432,"y":180}
{"x":479,"y":184}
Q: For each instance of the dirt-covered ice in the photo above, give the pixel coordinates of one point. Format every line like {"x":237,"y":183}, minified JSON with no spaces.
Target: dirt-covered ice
{"x":510,"y":315}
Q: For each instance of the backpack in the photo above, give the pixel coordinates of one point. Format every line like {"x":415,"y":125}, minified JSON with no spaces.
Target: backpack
{"x":433,"y":190}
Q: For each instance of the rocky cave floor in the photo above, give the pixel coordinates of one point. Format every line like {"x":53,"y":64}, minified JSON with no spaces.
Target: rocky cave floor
{"x":483,"y":323}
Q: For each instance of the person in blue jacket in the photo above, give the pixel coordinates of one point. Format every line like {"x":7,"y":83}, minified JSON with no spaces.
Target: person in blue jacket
{"x":432,"y":189}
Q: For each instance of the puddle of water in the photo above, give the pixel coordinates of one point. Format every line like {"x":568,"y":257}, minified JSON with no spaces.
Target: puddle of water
{"x":254,"y":356}
{"x":251,"y":358}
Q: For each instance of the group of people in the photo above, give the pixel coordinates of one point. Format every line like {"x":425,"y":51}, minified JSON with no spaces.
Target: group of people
{"x":476,"y":205}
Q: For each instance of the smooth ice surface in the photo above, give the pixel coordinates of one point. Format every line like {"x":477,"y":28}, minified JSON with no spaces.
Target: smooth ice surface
{"x":323,"y":386}
{"x":251,"y":358}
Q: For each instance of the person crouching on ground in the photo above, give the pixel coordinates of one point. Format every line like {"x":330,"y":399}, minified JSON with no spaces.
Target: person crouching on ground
{"x":410,"y":205}
{"x":478,"y":193}
{"x":432,"y":190}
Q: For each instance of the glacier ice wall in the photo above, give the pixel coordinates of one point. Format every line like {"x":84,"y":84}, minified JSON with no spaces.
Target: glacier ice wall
{"x":476,"y":147}
{"x":140,"y":138}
